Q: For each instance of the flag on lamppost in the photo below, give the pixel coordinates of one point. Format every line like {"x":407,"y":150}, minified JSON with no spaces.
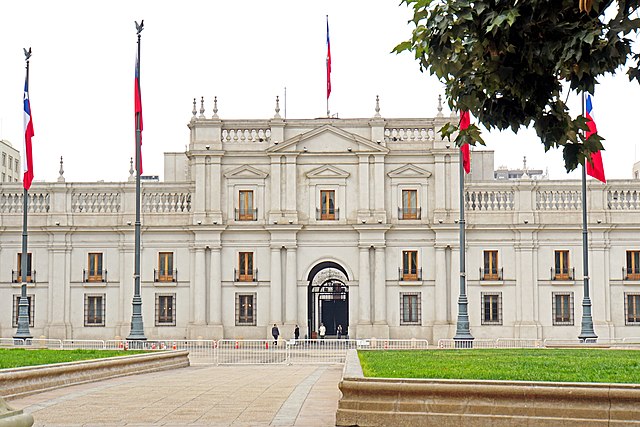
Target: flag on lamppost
{"x":328,"y":62}
{"x":465,"y":121}
{"x":138,"y":111}
{"x":595,"y":168}
{"x":27,"y":161}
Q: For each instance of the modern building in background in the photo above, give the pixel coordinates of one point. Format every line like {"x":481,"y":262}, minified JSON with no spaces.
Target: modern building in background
{"x":10,"y":166}
{"x":348,"y":222}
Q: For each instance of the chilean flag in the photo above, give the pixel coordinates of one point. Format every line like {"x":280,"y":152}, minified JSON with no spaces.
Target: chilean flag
{"x":27,"y":161}
{"x":465,"y":121}
{"x":138,"y":109}
{"x":328,"y":61}
{"x":595,"y":168}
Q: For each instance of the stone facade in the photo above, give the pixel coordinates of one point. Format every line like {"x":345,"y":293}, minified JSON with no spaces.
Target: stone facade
{"x":350,"y":221}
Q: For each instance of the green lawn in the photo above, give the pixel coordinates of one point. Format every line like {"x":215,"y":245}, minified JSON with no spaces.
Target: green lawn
{"x":564,"y":365}
{"x":16,"y":357}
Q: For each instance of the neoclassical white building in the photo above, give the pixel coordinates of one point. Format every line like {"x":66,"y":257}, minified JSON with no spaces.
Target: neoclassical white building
{"x":339,"y":221}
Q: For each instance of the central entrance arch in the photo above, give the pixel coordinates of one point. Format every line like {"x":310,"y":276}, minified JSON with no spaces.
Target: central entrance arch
{"x":328,"y":298}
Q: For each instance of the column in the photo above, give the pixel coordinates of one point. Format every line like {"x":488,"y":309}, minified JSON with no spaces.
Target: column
{"x":291,"y":184}
{"x":216,"y":180}
{"x":380,"y":297}
{"x":291,"y":294}
{"x":440,"y":300}
{"x":364,"y":287}
{"x":275,"y":184}
{"x":363,"y":187}
{"x":215,"y":283}
{"x":199,"y":178}
{"x":276,"y":287}
{"x":379,"y":179}
{"x":199,"y":288}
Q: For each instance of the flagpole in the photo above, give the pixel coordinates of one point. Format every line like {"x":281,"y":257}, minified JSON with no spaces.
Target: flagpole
{"x":137,"y":326}
{"x":328,"y":63}
{"x":463,"y":337}
{"x":587,"y":333}
{"x":23,"y":331}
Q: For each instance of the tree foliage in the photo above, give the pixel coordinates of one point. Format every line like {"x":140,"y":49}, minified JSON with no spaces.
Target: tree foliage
{"x":513,"y":63}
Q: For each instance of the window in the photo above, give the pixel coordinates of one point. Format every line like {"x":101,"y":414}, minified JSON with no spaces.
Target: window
{"x":562,"y":308}
{"x":94,"y":272}
{"x":491,"y":308}
{"x":31,"y":299}
{"x":245,"y":208}
{"x":165,"y":309}
{"x":409,"y":205}
{"x":410,"y":309}
{"x":10,"y":162}
{"x":561,"y":269}
{"x":245,"y":267}
{"x":633,"y":265}
{"x":30,"y":273}
{"x":94,"y":310}
{"x":490,"y":271}
{"x":632,"y":309}
{"x":4,"y":159}
{"x":327,"y":204}
{"x":409,"y":265}
{"x":246,"y":309}
{"x":166,"y":273}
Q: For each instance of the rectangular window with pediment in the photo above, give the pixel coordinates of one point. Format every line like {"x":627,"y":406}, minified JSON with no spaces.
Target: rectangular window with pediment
{"x":633,"y":265}
{"x":30,"y":273}
{"x":409,"y":265}
{"x":410,"y":208}
{"x":94,"y":271}
{"x":490,"y":271}
{"x":166,"y":272}
{"x":561,"y":267}
{"x":245,"y":267}
{"x":246,"y":211}
{"x":327,"y":204}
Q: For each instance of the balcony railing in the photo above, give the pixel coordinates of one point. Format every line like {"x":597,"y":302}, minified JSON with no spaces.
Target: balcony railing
{"x":245,"y":276}
{"x":96,"y":276}
{"x":629,"y":273}
{"x":490,"y":273}
{"x":246,"y":214}
{"x":409,"y":213}
{"x":16,"y":278}
{"x":165,"y":276}
{"x":327,"y":215}
{"x":562,"y":273}
{"x":407,"y":275}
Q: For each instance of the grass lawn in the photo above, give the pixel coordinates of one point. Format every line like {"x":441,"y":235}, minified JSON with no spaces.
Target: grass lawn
{"x":563,"y":365}
{"x":16,"y":357}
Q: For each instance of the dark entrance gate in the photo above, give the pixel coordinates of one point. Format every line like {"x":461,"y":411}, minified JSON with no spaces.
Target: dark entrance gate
{"x":328,"y":299}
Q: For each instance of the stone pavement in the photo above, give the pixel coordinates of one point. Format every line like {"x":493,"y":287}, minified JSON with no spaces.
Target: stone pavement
{"x":264,"y":395}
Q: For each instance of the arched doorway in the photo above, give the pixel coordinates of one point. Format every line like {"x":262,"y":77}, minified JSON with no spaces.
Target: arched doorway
{"x":328,"y":298}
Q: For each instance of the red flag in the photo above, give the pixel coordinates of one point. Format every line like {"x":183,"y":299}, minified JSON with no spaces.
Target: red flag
{"x":595,"y":168}
{"x":138,"y":110}
{"x":27,"y":161}
{"x":464,"y":149}
{"x":328,"y":61}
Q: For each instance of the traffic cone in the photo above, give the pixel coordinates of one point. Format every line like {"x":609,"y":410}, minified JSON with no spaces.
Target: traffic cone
{"x":266,"y":345}
{"x":236,"y":344}
{"x":174,"y":346}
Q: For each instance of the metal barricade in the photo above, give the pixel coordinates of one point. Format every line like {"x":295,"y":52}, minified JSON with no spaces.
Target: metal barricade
{"x":83,"y":345}
{"x":318,"y":351}
{"x":450,"y":343}
{"x":518,"y":343}
{"x":250,"y":352}
{"x":11,"y":342}
{"x":52,"y":344}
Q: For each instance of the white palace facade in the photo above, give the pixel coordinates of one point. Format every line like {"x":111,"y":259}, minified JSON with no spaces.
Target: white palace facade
{"x":340,"y":221}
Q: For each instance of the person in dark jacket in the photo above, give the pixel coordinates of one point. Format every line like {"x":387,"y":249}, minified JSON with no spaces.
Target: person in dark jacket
{"x":296,"y":333}
{"x":275,"y":332}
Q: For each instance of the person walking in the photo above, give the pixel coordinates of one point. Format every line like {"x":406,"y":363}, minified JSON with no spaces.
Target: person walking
{"x":339,"y":331}
{"x":323,"y":330}
{"x":296,"y":333}
{"x":275,"y":332}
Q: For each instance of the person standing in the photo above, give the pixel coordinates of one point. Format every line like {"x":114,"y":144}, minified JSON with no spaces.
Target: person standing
{"x":339,"y":331}
{"x":296,"y":333}
{"x":322,"y":330}
{"x":275,"y":332}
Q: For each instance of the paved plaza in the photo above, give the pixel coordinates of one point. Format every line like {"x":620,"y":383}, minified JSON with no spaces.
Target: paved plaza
{"x":264,"y":395}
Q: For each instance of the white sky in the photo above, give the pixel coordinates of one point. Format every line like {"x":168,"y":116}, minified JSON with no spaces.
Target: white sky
{"x":245,"y":52}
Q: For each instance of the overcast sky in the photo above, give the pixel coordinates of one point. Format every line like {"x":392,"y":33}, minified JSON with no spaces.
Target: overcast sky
{"x":245,"y":52}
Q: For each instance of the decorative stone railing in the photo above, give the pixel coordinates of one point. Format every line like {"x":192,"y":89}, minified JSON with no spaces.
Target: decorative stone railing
{"x":560,"y":200}
{"x":11,"y":202}
{"x":492,"y":200}
{"x":246,"y":132}
{"x":417,"y":134}
{"x":166,"y":202}
{"x":623,"y":199}
{"x":96,"y":202}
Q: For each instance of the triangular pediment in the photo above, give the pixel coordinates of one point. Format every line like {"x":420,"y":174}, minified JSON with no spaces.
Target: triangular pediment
{"x":246,"y":171}
{"x":409,"y":171}
{"x":327,"y":171}
{"x":327,"y":139}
